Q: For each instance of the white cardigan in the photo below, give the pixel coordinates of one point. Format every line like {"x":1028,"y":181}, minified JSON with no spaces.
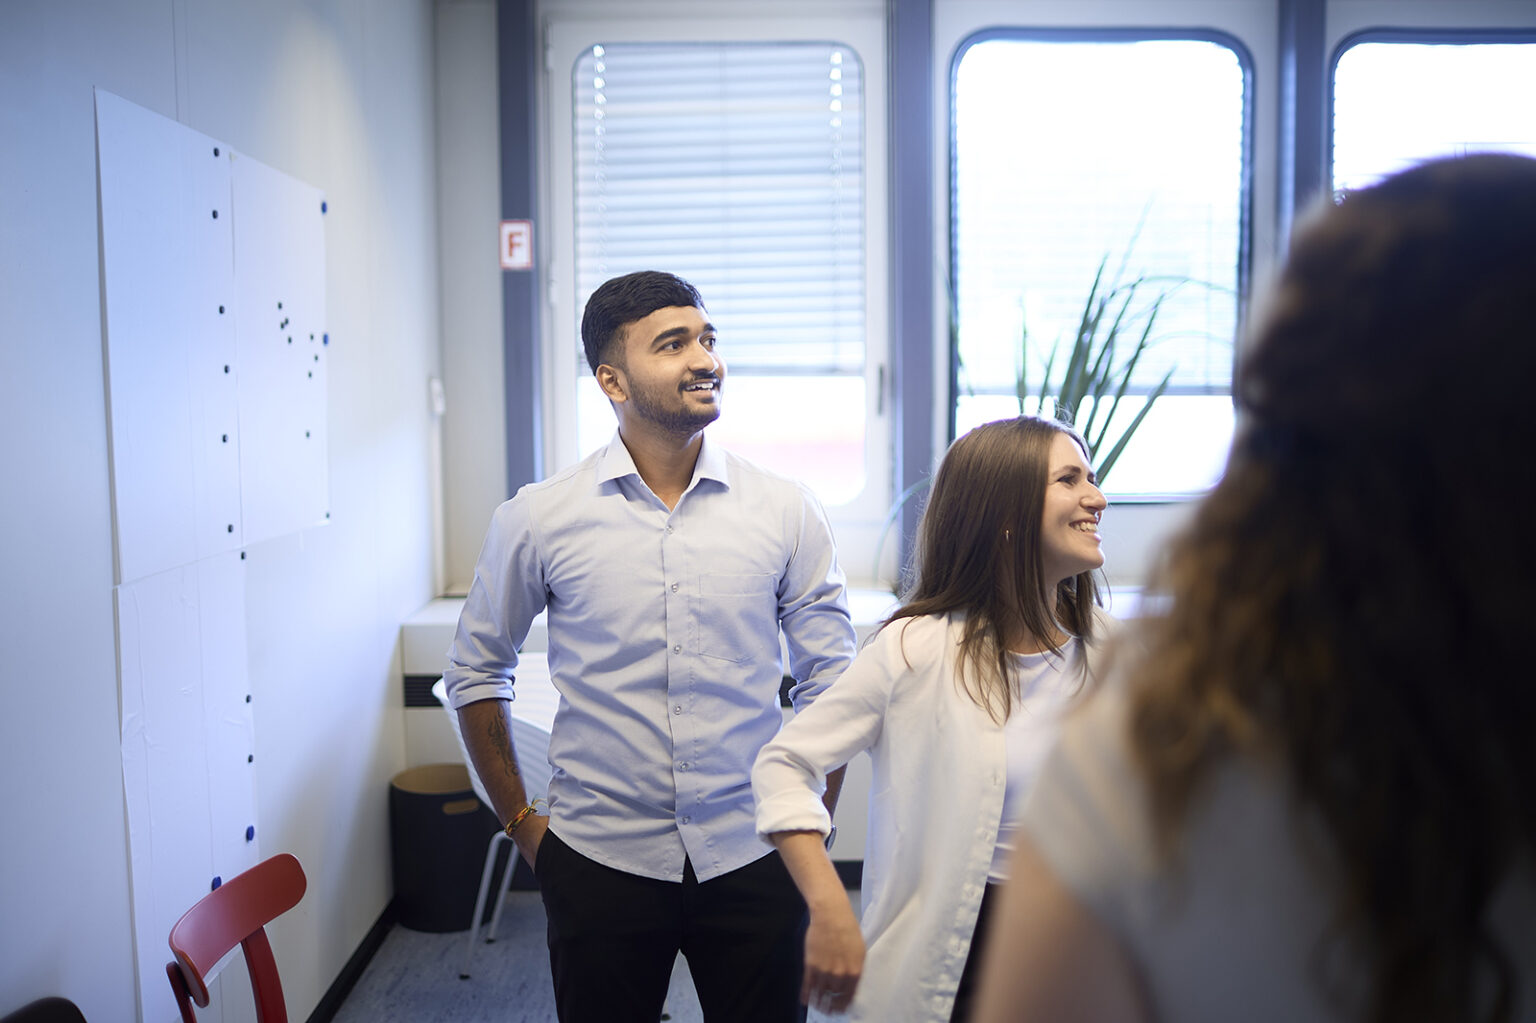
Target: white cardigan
{"x":936,"y":799}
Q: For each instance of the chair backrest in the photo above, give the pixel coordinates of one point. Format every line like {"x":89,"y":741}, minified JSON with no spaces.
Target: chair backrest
{"x":53,"y":1009}
{"x":236,"y":913}
{"x":440,"y":690}
{"x":533,"y":717}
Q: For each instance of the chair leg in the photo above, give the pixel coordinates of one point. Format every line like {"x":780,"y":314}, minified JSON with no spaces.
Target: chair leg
{"x":485,"y":884}
{"x":501,"y":894}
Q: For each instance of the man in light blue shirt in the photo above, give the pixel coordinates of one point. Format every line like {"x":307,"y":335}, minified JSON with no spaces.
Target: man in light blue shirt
{"x":667,"y":567}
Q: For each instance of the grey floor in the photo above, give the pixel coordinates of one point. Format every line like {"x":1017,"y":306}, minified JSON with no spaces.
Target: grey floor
{"x":415,"y":976}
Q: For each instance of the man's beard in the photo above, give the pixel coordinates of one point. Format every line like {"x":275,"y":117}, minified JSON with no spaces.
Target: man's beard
{"x":680,"y":418}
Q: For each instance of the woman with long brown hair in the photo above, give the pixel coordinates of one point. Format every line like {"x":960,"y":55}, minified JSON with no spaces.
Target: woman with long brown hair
{"x":1314,"y":796}
{"x":956,"y":700}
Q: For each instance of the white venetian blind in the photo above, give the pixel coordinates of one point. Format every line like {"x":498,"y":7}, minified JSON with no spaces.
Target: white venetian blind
{"x":738,"y":166}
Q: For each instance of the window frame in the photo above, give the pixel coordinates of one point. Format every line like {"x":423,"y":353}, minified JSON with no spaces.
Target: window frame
{"x":571,"y":32}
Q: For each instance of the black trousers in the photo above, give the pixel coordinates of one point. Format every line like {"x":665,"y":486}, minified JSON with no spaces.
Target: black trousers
{"x":970,"y":976}
{"x":614,"y":937}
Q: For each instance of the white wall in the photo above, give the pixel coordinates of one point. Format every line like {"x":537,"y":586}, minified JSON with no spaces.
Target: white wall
{"x":468,"y":167}
{"x":338,"y":93}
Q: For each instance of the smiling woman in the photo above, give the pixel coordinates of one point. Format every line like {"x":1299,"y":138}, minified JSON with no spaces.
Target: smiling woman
{"x":960,"y":688}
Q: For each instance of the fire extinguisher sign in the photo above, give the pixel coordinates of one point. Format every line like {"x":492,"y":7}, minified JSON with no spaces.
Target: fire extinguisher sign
{"x":517,"y":245}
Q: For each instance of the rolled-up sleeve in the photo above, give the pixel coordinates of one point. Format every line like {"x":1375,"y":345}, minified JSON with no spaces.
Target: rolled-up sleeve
{"x":507,"y":593}
{"x":813,"y":606}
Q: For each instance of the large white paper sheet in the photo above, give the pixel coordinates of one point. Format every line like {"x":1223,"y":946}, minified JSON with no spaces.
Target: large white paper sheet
{"x":280,"y":275}
{"x":187,"y":740}
{"x":167,"y":269}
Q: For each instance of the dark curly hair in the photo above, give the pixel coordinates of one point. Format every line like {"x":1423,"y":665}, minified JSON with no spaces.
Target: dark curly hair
{"x":1354,"y":597}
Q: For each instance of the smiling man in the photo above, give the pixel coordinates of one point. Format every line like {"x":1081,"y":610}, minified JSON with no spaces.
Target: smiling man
{"x":667,"y":567}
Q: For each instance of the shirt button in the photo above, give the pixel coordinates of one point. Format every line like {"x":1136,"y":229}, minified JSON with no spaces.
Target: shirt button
{"x":686,"y":819}
{"x":674,"y":587}
{"x":669,"y":529}
{"x":683,"y":766}
{"x":677,"y":649}
{"x":677,"y":710}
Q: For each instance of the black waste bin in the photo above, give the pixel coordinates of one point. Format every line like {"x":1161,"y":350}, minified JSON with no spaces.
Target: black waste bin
{"x":438,"y":833}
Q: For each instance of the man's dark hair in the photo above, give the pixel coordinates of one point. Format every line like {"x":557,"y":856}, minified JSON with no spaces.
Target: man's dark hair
{"x":624,"y":300}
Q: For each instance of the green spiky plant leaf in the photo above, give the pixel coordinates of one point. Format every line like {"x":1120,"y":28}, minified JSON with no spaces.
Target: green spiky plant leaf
{"x":1100,"y":363}
{"x":1113,"y":334}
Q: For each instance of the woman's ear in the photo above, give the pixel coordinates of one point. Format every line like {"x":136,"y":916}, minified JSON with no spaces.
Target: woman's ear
{"x":611,"y":380}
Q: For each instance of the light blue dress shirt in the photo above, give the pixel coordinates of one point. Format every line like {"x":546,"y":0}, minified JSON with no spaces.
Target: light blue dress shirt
{"x":663,"y":644}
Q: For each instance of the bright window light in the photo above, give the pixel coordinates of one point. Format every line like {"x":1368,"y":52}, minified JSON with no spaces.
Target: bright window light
{"x":1069,"y":154}
{"x":1396,"y":104}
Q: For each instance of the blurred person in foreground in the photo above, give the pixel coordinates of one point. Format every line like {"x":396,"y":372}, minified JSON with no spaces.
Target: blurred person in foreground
{"x":1314,"y":796}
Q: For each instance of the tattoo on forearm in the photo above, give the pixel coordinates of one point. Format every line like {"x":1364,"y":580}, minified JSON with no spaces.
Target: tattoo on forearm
{"x":501,"y":742}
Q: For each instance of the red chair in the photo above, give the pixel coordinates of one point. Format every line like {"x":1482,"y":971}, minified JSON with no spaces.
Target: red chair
{"x":236,"y":913}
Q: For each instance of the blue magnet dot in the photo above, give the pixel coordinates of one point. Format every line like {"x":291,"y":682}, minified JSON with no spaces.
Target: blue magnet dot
{"x":217,"y":880}
{"x":215,"y":214}
{"x":323,"y":207}
{"x":250,"y":833}
{"x":215,"y":150}
{"x":325,"y":339}
{"x":250,"y":758}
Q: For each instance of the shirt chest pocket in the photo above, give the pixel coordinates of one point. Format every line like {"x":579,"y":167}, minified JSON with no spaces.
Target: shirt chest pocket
{"x":735,"y":616}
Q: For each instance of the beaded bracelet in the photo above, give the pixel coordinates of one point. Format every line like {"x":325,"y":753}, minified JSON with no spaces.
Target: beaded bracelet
{"x":522,"y":815}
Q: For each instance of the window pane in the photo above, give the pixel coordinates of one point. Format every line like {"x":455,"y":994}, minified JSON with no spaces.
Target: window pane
{"x":739,"y":166}
{"x":810,"y":428}
{"x":1125,"y":154}
{"x":1398,"y":103}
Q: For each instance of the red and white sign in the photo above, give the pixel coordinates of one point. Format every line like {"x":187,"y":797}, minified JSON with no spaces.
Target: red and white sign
{"x":517,"y":245}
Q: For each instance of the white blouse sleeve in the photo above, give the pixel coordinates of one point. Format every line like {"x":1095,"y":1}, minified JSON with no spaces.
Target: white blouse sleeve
{"x":790,"y":775}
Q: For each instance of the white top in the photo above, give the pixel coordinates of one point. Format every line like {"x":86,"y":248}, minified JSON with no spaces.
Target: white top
{"x":940,"y":773}
{"x":663,"y":642}
{"x":1238,"y":930}
{"x":1047,"y":681}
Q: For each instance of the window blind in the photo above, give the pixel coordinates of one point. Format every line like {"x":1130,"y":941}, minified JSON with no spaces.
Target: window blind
{"x":740,"y":167}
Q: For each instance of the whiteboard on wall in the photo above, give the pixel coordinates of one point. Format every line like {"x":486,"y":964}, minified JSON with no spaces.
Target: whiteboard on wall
{"x":213,"y":278}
